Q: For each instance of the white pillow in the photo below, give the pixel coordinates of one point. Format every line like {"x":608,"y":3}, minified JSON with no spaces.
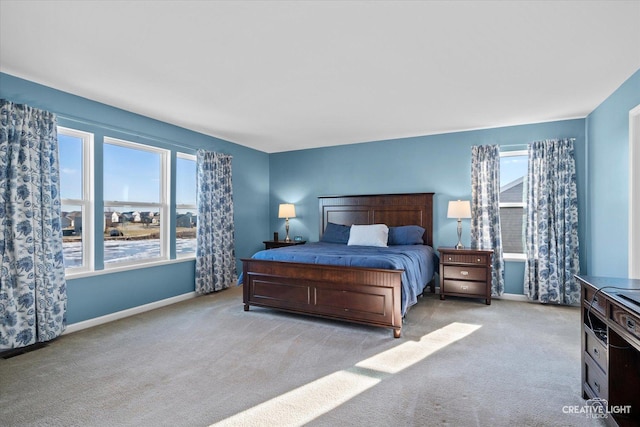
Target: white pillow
{"x":369,"y":235}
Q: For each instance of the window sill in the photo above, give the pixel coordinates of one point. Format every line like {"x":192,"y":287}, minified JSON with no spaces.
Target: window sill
{"x":81,"y":274}
{"x":515,"y":257}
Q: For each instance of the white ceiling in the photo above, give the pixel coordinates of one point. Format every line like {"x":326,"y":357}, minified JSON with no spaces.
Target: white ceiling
{"x":281,"y":75}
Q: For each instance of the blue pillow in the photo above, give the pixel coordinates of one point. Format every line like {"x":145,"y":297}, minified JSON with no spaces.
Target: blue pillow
{"x":336,"y":233}
{"x":406,"y":235}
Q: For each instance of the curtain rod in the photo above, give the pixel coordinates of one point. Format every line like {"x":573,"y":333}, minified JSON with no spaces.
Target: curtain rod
{"x":527,"y":143}
{"x":123,"y":130}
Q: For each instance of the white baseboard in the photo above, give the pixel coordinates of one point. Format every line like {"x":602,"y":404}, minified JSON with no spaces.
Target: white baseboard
{"x":78,"y":326}
{"x":512,"y":297}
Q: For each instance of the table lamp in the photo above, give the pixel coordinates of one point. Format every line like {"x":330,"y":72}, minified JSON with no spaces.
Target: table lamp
{"x":459,"y":209}
{"x":287,"y":210}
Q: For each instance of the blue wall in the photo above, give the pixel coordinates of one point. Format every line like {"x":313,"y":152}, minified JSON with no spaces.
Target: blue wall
{"x":437,"y":163}
{"x":102,"y":294}
{"x":608,"y":168}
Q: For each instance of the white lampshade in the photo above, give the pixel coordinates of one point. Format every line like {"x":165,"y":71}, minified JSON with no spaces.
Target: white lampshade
{"x":459,"y":209}
{"x":286,"y":210}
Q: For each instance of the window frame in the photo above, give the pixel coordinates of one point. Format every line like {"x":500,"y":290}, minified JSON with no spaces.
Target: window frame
{"x":86,"y":202}
{"x":162,"y":205}
{"x":515,"y":256}
{"x":179,"y":206}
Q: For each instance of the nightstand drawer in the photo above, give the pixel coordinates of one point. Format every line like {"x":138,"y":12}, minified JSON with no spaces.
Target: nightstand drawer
{"x":464,"y":287}
{"x":465,"y":273}
{"x":465,"y":258}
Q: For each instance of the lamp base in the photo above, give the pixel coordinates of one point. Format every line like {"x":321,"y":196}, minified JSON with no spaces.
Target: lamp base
{"x":286,"y":226}
{"x":459,"y":245}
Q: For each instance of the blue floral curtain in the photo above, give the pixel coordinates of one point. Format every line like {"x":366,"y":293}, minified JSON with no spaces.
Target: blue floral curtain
{"x":485,"y":209}
{"x":552,"y":224}
{"x":215,"y":250}
{"x":33,"y":296}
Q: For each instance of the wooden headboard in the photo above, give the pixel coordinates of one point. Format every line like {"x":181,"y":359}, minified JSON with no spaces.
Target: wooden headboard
{"x":390,"y":209}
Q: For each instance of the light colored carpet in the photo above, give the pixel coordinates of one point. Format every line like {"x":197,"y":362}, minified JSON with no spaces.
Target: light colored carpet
{"x":206,"y":361}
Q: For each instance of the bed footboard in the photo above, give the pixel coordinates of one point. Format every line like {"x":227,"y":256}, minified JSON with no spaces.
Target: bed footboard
{"x":362,"y":295}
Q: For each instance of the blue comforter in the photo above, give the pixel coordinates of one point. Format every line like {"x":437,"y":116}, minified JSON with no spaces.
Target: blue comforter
{"x":417,"y":261}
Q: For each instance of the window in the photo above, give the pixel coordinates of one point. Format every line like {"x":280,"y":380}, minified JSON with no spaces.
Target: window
{"x":136,"y":193}
{"x":513,"y":187}
{"x":76,"y":194}
{"x":135,"y":203}
{"x":186,"y":209}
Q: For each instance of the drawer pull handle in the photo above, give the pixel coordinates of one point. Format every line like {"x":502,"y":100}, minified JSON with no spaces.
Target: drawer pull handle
{"x":449,"y":258}
{"x":595,"y":351}
{"x":464,"y":288}
{"x":464,"y":273}
{"x":596,"y":386}
{"x":478,"y":260}
{"x":595,"y":300}
{"x":631,"y":324}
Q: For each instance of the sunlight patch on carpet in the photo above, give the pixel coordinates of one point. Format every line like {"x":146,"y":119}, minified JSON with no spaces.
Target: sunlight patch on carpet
{"x":303,"y":404}
{"x":411,"y":352}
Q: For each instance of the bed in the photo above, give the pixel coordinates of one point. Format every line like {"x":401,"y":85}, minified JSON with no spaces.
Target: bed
{"x":346,"y":290}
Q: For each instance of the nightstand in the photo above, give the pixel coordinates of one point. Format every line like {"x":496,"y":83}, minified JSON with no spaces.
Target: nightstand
{"x":465,"y":273}
{"x":270,"y":244}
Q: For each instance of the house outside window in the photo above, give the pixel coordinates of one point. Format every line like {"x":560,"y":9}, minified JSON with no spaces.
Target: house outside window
{"x":513,"y":185}
{"x":76,"y":193}
{"x":186,"y":209}
{"x":135,"y":203}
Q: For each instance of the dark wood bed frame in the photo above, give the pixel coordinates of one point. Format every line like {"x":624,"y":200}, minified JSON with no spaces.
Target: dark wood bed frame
{"x":363,"y":295}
